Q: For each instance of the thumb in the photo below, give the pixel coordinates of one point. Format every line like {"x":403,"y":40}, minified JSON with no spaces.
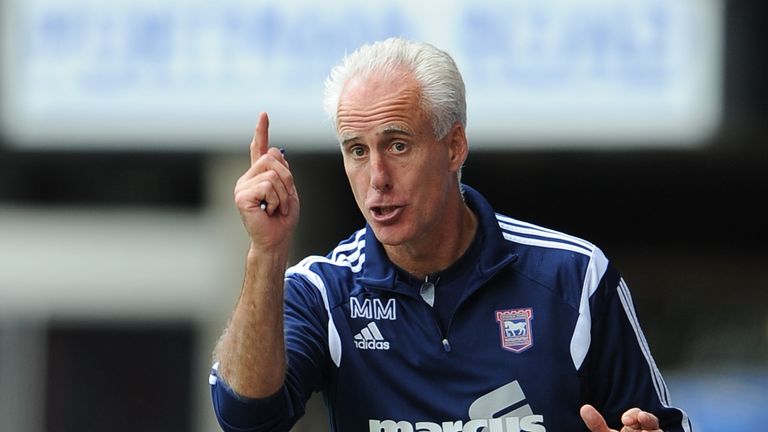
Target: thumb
{"x":594,"y":421}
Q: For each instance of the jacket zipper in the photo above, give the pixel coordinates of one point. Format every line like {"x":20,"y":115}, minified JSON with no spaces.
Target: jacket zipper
{"x":427,"y":293}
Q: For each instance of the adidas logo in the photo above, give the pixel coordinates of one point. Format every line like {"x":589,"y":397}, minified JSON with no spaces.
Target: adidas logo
{"x":370,"y":338}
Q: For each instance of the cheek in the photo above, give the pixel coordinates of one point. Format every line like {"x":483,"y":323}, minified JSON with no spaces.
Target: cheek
{"x":429,"y":177}
{"x":357,"y":181}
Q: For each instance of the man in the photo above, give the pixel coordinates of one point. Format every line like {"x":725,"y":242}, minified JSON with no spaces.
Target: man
{"x":439,"y":315}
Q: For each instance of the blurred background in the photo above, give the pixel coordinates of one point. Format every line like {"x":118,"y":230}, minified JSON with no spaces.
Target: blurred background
{"x":639,"y":125}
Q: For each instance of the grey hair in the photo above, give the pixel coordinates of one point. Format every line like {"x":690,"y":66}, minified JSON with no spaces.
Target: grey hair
{"x":442,"y":88}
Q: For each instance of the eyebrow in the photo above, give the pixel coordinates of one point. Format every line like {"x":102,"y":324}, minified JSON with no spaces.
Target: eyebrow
{"x":348,"y":138}
{"x":386,"y":130}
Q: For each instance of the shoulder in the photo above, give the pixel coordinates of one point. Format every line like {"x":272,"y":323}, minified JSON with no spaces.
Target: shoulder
{"x":347,"y":257}
{"x":331,"y":276}
{"x":544,"y":240}
{"x":558,"y":261}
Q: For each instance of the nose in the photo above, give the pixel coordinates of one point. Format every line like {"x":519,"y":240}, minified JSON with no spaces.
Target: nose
{"x":380,"y":176}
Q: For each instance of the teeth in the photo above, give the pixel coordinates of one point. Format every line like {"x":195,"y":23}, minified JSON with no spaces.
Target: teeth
{"x":384,"y":210}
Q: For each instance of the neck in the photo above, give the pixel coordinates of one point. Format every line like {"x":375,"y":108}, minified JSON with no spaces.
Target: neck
{"x":424,"y":258}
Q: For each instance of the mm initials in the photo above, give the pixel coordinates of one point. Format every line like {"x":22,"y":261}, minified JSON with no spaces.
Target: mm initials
{"x":373,"y":309}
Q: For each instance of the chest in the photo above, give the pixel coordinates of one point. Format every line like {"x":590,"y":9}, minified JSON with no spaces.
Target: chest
{"x":505,"y":352}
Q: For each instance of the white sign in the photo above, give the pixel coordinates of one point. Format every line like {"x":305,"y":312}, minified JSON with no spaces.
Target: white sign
{"x":194,"y":74}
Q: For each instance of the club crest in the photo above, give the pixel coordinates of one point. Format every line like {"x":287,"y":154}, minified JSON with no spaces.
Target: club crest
{"x":515,"y":329}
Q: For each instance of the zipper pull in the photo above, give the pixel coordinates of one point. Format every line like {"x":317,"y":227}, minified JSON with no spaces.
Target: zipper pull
{"x":446,"y":345}
{"x":427,"y":292}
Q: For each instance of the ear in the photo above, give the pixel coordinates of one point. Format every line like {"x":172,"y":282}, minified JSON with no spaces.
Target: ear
{"x":458,"y":149}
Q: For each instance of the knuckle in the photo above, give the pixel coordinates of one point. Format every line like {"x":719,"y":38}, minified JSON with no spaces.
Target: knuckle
{"x":271,"y":176}
{"x":240,"y":201}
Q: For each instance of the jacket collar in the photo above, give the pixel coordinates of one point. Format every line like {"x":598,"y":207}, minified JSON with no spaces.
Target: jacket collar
{"x":495,"y":251}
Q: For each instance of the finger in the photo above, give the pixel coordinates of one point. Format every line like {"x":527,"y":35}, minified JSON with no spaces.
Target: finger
{"x":271,"y":201}
{"x":279,"y":155}
{"x":272,"y":161}
{"x":648,"y":421}
{"x":248,"y":198}
{"x":594,"y":421}
{"x":267,"y":187}
{"x":260,"y":141}
{"x":277,"y":196}
{"x":629,"y":418}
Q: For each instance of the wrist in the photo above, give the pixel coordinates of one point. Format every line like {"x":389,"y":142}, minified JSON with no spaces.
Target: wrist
{"x":265,"y":269}
{"x":260,"y":254}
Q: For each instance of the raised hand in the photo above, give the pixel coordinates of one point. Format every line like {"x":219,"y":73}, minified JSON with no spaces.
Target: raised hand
{"x":266,"y":195}
{"x":634,"y":419}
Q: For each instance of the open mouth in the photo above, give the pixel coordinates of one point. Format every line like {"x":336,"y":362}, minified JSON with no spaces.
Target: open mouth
{"x":386,"y":214}
{"x":383,"y":210}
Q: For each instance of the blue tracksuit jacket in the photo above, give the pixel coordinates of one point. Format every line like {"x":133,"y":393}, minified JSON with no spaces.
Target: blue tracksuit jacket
{"x":543,"y":324}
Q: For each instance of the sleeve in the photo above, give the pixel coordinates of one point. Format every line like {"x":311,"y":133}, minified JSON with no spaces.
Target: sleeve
{"x":307,"y":356}
{"x":621,"y":373}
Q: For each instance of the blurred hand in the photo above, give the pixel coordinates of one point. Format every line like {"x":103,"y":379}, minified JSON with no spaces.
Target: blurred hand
{"x":269,"y":181}
{"x":633,"y":420}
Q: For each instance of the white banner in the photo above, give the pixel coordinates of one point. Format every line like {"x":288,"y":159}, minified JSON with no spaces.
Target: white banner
{"x":194,"y":74}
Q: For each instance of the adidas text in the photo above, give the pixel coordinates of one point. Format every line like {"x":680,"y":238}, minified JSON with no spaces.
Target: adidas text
{"x":372,"y":345}
{"x":370,"y":338}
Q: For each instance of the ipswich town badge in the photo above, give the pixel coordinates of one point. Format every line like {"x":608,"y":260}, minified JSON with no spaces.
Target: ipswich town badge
{"x":515,"y":329}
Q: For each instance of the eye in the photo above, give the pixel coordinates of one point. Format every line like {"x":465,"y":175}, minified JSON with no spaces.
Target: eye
{"x":357,"y":151}
{"x":399,"y":147}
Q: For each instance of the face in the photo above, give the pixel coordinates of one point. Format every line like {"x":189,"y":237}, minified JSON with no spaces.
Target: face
{"x":402,"y":177}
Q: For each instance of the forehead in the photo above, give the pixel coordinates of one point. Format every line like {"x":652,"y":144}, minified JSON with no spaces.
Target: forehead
{"x":380,"y":102}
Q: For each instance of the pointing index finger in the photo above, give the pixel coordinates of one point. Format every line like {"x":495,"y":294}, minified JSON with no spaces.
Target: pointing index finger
{"x":260,"y":141}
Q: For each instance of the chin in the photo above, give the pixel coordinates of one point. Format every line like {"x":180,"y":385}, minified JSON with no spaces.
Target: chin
{"x":390,"y":236}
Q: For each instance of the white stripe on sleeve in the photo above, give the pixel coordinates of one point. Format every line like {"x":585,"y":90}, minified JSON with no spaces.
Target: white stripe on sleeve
{"x":582,"y":338}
